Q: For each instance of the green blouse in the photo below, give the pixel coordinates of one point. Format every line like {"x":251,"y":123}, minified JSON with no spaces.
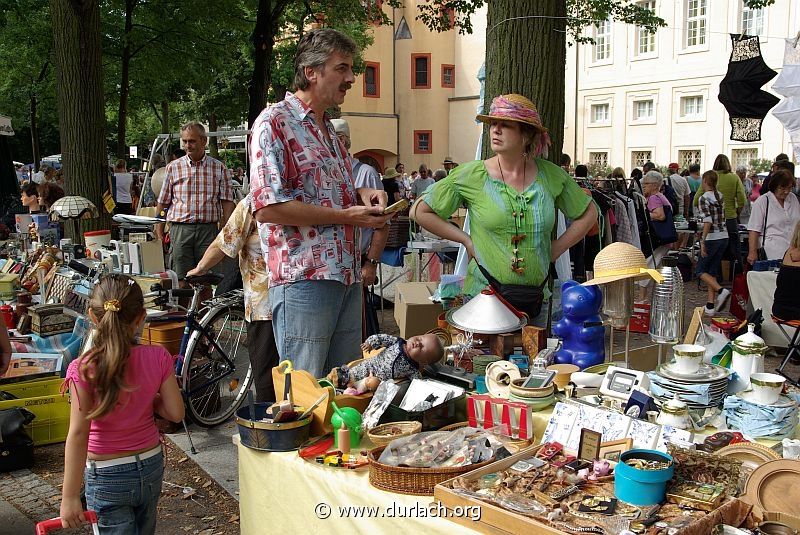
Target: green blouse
{"x":491,"y":205}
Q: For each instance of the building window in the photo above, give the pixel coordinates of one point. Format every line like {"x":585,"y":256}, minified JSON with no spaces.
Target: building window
{"x":600,"y":113}
{"x":372,"y":79}
{"x":695,"y":25}
{"x":420,"y":71}
{"x":449,"y":14}
{"x":689,"y":157}
{"x":642,"y":109}
{"x":692,"y":107}
{"x":641,"y":157}
{"x":743,"y":157}
{"x":602,"y":41}
{"x":599,"y":159}
{"x":448,"y":76}
{"x":422,"y":141}
{"x":752,"y":21}
{"x":645,"y":39}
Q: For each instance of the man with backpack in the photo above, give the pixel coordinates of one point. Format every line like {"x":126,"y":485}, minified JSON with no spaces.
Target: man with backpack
{"x":682,"y":192}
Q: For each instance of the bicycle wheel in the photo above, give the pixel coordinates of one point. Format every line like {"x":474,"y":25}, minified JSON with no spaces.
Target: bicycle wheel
{"x":218,"y":374}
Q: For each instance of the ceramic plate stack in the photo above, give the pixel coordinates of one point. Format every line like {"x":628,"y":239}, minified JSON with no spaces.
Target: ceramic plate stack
{"x":680,"y":383}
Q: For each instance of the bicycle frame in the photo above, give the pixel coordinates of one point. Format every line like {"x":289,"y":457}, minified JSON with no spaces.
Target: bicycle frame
{"x":191,"y":327}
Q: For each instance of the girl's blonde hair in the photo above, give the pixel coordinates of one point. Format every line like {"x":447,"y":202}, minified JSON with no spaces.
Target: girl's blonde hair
{"x":116,"y":303}
{"x":796,"y":237}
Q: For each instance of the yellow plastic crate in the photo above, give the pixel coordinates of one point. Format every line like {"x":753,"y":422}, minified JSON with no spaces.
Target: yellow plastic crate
{"x":43,"y":398}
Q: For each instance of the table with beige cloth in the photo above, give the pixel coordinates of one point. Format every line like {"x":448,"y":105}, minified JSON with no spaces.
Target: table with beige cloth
{"x":761,"y":285}
{"x":278,"y":493}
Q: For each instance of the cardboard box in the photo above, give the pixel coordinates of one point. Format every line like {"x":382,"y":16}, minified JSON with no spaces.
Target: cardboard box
{"x":414,"y":312}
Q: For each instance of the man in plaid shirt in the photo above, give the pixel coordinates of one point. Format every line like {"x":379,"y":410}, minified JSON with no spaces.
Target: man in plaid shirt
{"x":198,"y":197}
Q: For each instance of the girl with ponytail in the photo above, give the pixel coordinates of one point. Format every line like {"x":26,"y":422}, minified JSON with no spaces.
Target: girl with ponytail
{"x":113,"y":442}
{"x":714,"y":242}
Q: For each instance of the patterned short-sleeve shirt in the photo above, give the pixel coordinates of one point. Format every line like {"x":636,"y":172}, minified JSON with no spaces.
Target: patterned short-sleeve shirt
{"x":239,"y":237}
{"x":290,"y":159}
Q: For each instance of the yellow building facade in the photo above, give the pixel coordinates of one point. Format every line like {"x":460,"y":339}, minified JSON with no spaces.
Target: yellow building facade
{"x":416,"y":101}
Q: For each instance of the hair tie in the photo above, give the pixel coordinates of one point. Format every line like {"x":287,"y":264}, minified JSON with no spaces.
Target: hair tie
{"x":112,"y":305}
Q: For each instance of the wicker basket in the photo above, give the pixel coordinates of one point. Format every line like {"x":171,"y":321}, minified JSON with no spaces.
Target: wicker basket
{"x":383,"y":434}
{"x":412,"y":480}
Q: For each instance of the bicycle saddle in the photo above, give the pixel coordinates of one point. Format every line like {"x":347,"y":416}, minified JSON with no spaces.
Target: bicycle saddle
{"x":208,"y":278}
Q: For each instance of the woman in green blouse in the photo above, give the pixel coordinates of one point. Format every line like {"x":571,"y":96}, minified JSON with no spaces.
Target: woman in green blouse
{"x":512,"y":199}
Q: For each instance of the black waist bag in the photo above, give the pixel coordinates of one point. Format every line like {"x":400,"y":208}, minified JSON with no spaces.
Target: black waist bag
{"x":526,"y":299}
{"x":16,"y":447}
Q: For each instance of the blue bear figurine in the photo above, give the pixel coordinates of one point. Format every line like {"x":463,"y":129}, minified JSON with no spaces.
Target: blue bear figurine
{"x":583,"y":346}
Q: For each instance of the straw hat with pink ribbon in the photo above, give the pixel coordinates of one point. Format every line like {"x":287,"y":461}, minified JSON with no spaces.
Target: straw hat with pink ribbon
{"x":515,"y":107}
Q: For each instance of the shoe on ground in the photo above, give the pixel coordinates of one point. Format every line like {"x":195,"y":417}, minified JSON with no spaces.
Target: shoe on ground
{"x":722,"y":298}
{"x":708,"y":311}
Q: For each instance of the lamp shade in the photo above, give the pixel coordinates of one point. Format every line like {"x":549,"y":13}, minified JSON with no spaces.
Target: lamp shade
{"x":73,"y":207}
{"x":486,"y":314}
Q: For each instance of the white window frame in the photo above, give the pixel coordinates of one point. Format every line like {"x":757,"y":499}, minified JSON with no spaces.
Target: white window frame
{"x":759,"y":18}
{"x":593,"y":106}
{"x":650,"y":117}
{"x":695,"y":115}
{"x":677,"y":104}
{"x":700,"y":149}
{"x":695,"y":19}
{"x":640,"y":32}
{"x":592,"y":152}
{"x":602,"y":41}
{"x":651,"y":150}
{"x":734,"y":150}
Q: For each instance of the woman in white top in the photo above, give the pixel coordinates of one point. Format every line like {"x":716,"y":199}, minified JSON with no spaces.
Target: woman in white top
{"x":122,"y":191}
{"x":773,"y":217}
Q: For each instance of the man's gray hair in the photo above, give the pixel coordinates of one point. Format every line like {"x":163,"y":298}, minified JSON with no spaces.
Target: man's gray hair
{"x":315,"y":48}
{"x":194,"y":125}
{"x":741,"y":168}
{"x":653,"y":177}
{"x":439,"y":174}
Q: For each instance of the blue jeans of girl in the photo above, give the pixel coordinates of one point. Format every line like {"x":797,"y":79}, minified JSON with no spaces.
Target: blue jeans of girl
{"x":125,"y":496}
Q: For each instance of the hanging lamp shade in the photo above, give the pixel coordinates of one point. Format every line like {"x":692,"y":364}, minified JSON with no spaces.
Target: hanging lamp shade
{"x":485,"y":314}
{"x":73,"y":207}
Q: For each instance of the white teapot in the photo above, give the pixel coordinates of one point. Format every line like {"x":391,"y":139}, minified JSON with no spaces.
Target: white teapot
{"x":675,"y":413}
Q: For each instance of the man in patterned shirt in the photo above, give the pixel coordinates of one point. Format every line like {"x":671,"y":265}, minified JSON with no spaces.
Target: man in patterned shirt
{"x":198,"y":197}
{"x":310,"y":210}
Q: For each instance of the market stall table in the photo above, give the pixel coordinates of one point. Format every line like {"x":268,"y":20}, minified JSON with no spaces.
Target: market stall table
{"x":282,"y":493}
{"x":429,"y":246}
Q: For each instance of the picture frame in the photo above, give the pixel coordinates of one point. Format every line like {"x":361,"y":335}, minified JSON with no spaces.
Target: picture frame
{"x":610,"y":451}
{"x":589,"y":448}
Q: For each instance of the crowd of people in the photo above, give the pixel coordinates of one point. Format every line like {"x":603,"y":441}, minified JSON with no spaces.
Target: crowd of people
{"x":309,"y":235}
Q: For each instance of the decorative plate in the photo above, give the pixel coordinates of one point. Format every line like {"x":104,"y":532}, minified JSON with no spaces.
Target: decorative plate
{"x":773,"y":486}
{"x":751,"y":454}
{"x":784,"y":402}
{"x":717,"y":373}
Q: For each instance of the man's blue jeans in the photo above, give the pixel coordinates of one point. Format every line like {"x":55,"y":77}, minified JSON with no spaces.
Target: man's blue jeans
{"x":317,"y":324}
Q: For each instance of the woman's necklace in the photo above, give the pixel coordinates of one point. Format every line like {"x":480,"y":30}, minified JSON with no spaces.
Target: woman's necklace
{"x":517,"y":214}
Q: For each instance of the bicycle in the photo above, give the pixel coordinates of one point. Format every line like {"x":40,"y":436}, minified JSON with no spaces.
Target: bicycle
{"x":212,"y":365}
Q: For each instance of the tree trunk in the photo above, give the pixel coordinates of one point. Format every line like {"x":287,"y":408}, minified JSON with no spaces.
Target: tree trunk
{"x":525,"y":56}
{"x":125,"y":82}
{"x":263,"y":42}
{"x":213,"y":146}
{"x":35,"y":132}
{"x":77,"y":52}
{"x":165,"y":116}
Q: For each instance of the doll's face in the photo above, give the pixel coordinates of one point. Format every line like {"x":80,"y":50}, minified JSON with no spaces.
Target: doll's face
{"x":424,"y":349}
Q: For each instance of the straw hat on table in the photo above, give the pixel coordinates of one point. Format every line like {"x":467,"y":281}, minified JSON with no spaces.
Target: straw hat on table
{"x":620,"y":261}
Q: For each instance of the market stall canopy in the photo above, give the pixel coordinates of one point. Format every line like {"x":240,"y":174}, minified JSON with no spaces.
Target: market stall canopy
{"x":73,"y":207}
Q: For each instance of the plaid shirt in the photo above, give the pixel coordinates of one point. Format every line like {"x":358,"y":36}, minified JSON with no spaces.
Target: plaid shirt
{"x":290,"y":160}
{"x":193,"y":191}
{"x":713,"y":212}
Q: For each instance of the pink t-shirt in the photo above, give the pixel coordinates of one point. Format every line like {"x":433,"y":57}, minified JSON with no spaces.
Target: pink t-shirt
{"x":130,"y":426}
{"x":657,"y":199}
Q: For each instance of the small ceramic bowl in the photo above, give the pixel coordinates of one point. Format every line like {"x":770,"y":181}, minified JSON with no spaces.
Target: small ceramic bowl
{"x":563,"y":373}
{"x":518,"y":390}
